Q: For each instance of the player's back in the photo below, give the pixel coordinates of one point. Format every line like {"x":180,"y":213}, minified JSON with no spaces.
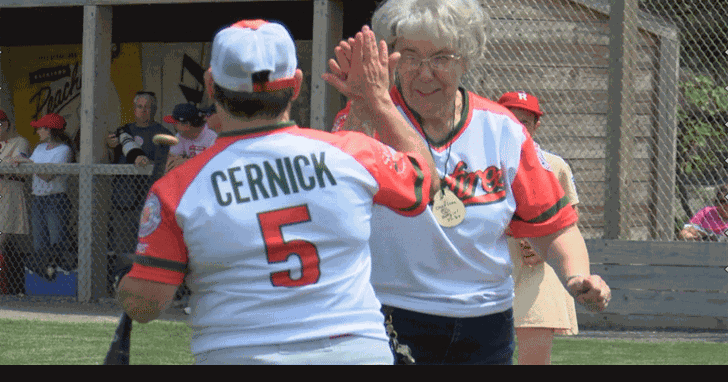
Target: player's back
{"x":276,"y":227}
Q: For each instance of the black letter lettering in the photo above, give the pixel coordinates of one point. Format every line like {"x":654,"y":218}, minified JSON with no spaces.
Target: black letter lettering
{"x":236,"y":185}
{"x":255,"y":181}
{"x":299,"y":172}
{"x":218,"y":195}
{"x":321,"y":168}
{"x":278,"y":178}
{"x":289,"y":169}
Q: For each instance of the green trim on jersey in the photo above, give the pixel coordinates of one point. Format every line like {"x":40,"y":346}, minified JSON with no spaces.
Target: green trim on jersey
{"x":254,"y":130}
{"x":418,"y":187}
{"x":169,"y":265}
{"x":548,"y":214}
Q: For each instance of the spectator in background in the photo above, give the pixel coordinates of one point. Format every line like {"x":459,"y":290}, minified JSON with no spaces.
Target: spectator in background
{"x":51,"y":206}
{"x":193,"y":133}
{"x":541,"y":307}
{"x":13,"y":211}
{"x":710,"y":223}
{"x":132,"y":144}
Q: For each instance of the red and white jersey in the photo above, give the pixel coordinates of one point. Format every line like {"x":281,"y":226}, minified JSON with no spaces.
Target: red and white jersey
{"x":465,"y":271}
{"x":270,"y":230}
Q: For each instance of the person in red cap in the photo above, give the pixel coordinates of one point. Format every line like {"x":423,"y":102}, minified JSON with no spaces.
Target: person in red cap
{"x":51,"y":206}
{"x":13,"y":211}
{"x":542,"y":307}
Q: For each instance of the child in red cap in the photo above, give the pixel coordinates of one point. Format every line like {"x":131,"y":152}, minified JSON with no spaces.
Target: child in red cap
{"x":541,"y":307}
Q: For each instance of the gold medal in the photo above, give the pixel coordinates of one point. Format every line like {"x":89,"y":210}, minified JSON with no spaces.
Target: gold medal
{"x":448,"y":209}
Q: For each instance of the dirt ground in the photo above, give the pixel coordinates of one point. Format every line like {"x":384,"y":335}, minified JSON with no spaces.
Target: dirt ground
{"x":67,"y":309}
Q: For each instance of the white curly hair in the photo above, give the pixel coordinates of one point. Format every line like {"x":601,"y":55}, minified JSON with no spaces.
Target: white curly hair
{"x":464,"y":23}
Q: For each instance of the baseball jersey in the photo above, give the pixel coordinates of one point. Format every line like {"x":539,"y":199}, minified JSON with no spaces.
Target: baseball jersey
{"x":465,"y":271}
{"x":188,"y":148}
{"x":563,"y":173}
{"x":269,"y":228}
{"x":709,"y":222}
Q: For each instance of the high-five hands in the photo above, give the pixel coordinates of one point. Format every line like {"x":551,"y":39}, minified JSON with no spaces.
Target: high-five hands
{"x":363,"y":69}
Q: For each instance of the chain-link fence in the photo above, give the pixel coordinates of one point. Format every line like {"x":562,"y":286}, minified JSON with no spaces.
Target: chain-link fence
{"x":68,"y":241}
{"x":672,"y":135}
{"x":672,"y":151}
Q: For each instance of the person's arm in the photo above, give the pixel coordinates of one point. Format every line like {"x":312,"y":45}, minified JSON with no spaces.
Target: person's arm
{"x":367,"y":81}
{"x":145,"y":300}
{"x":566,"y":252}
{"x":689,"y":232}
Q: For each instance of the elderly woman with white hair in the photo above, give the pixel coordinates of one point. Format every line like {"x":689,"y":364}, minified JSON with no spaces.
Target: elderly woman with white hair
{"x":444,"y":277}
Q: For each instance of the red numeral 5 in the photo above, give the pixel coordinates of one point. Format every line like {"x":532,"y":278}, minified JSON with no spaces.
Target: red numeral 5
{"x":277,"y":250}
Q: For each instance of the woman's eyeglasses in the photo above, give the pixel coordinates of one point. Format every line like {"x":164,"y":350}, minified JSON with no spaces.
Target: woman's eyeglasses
{"x":440,"y":62}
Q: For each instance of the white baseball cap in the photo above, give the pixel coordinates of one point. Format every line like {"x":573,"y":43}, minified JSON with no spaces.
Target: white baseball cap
{"x":252,"y":46}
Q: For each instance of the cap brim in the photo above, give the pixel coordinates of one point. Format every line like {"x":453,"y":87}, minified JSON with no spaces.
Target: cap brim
{"x":519,"y":106}
{"x":169,"y":119}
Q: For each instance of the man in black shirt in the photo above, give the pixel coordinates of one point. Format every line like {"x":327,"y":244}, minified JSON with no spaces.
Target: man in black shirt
{"x":132,"y":144}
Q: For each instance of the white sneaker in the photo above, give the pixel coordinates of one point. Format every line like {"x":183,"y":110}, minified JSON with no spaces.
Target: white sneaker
{"x":188,"y":310}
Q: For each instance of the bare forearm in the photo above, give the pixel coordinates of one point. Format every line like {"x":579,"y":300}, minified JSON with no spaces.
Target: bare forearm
{"x":396,"y":132}
{"x":137,"y":303}
{"x":565,"y":251}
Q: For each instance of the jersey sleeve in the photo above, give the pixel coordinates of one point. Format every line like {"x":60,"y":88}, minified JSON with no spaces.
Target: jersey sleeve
{"x":161,"y":254}
{"x":565,"y":176}
{"x":542,"y":207}
{"x":341,"y":118}
{"x":404,"y":178}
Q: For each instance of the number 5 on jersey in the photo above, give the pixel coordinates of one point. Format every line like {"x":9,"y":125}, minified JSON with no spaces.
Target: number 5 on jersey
{"x":278,"y":250}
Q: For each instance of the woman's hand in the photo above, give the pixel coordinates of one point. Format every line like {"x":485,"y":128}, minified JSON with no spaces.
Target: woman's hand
{"x":353,"y":51}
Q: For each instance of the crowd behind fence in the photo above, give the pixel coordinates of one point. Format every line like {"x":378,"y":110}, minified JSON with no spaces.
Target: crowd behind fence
{"x":557,"y":50}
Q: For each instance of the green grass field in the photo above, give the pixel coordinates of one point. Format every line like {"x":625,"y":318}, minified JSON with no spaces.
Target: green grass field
{"x":28,"y":342}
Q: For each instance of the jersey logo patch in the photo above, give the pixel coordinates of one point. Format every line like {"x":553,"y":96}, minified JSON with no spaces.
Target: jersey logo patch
{"x":465,"y":184}
{"x":151,"y":216}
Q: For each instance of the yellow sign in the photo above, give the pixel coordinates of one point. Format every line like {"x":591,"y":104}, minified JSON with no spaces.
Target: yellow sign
{"x":47,"y":79}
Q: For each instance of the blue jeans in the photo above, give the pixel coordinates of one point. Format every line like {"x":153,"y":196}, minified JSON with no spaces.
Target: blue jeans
{"x":49,"y":218}
{"x":437,"y":340}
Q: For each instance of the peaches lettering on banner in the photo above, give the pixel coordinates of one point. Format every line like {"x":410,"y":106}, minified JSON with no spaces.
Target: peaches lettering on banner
{"x":47,"y":79}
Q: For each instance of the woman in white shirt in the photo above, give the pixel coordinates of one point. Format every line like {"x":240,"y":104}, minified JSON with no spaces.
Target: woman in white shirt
{"x":51,"y":206}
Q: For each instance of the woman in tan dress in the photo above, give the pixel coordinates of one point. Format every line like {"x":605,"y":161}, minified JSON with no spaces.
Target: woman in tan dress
{"x":542,"y":307}
{"x":13,"y":213}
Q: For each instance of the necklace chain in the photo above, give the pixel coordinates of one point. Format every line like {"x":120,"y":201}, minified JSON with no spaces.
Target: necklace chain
{"x":449,"y":148}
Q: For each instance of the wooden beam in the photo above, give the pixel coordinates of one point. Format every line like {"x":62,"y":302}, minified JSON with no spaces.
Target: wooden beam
{"x":76,"y":3}
{"x":666,"y":139}
{"x":328,"y":21}
{"x":620,"y":118}
{"x":95,"y":90}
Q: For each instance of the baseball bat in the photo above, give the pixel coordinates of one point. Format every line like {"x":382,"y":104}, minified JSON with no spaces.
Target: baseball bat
{"x":118,"y":353}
